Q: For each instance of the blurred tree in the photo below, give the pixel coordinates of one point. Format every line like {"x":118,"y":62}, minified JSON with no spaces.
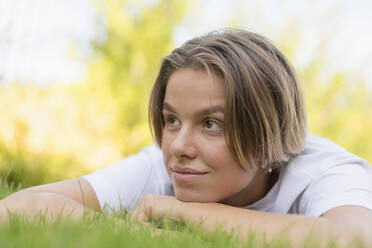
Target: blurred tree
{"x":338,"y":105}
{"x":62,"y":131}
{"x":125,"y":65}
{"x":339,"y":109}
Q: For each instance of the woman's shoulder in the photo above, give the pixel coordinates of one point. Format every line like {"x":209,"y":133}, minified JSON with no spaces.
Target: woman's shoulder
{"x":321,"y":154}
{"x":320,"y":171}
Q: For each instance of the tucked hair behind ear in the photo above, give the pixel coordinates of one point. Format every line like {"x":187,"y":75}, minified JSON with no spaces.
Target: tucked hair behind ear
{"x":265,"y":119}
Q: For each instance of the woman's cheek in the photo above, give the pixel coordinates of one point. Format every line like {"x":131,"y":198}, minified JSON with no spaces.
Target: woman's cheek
{"x":165,"y":147}
{"x":217,"y":154}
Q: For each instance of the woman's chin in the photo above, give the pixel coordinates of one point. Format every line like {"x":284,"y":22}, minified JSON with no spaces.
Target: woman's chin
{"x":191,"y":197}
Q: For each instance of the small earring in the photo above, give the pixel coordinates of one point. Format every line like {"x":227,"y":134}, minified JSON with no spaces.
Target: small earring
{"x":270,"y":170}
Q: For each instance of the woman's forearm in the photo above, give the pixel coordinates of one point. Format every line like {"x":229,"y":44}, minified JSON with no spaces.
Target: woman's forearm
{"x":295,"y":228}
{"x":32,"y":204}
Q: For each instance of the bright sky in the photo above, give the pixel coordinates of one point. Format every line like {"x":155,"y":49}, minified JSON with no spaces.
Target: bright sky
{"x":35,"y":35}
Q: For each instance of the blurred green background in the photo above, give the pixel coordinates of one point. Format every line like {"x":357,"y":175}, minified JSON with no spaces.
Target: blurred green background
{"x":63,"y":130}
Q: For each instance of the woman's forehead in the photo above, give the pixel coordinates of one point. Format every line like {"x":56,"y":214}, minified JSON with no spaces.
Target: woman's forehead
{"x":216,"y":109}
{"x":196,"y":89}
{"x":199,"y":83}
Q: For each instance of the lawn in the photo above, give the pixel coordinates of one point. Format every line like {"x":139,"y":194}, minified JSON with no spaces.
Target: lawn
{"x":107,"y":231}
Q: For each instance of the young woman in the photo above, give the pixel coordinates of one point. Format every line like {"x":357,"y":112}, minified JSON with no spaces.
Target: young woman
{"x":229,"y":120}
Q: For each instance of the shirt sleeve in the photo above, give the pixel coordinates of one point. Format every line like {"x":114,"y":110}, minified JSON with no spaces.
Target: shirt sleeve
{"x":347,"y":184}
{"x":122,"y":185}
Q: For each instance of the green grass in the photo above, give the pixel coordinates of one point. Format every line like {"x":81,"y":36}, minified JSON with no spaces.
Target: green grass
{"x":102,"y":233}
{"x":105,"y":231}
{"x":102,"y":230}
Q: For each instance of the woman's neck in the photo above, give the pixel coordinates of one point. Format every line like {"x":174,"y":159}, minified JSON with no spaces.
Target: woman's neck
{"x":256,"y":190}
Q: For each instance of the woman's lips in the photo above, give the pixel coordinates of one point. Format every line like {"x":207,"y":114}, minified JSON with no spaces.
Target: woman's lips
{"x":186,"y":175}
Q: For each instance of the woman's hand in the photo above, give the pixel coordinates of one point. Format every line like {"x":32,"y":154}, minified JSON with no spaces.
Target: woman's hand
{"x":156,"y":207}
{"x":160,"y":208}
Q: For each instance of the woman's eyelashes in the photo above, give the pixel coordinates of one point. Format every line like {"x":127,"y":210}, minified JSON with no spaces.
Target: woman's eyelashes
{"x":210,"y":125}
{"x":171,"y":121}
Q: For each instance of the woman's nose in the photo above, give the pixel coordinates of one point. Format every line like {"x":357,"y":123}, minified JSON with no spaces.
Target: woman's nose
{"x":183,"y":145}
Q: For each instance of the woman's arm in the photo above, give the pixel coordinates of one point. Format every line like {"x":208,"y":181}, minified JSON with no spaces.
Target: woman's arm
{"x":65,"y":198}
{"x":296,"y":228}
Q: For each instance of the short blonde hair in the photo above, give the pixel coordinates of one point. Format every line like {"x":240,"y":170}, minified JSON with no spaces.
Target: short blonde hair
{"x":265,"y":118}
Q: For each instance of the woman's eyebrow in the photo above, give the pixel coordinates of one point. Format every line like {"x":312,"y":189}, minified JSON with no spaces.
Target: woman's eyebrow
{"x":209,"y":110}
{"x":168,"y":107}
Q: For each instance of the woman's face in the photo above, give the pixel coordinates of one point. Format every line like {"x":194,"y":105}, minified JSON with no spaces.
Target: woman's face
{"x":197,"y":156}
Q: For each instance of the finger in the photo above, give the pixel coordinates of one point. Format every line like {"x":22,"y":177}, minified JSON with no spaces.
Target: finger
{"x":139,"y":215}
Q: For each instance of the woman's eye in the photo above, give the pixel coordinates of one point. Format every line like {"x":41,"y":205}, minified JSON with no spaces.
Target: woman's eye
{"x":212,"y":125}
{"x":171,"y":121}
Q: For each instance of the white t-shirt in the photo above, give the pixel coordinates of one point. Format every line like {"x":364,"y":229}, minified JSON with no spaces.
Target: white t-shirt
{"x":322,"y":177}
